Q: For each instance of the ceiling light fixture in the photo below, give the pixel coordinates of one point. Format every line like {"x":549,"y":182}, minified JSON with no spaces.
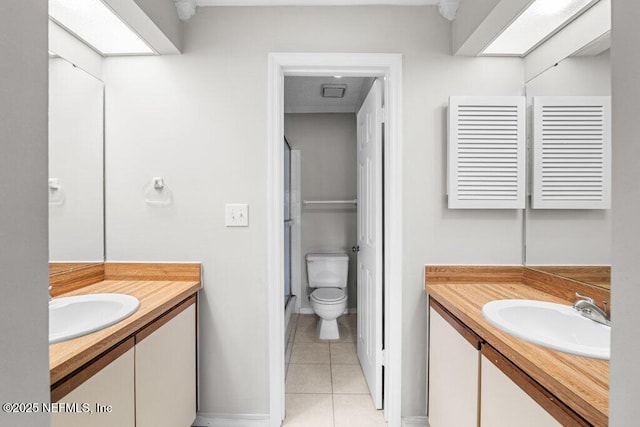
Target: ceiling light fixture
{"x":98,"y":26}
{"x":333,"y":91}
{"x":537,"y":23}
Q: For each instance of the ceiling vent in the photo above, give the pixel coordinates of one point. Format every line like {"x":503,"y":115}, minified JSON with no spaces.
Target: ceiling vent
{"x":333,"y":91}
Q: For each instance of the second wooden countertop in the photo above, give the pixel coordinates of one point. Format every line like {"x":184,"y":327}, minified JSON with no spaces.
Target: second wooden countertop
{"x":581,"y":383}
{"x":155,"y":296}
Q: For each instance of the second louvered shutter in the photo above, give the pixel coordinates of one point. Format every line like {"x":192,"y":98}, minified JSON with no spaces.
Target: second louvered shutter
{"x":486,"y":165}
{"x":571,"y":152}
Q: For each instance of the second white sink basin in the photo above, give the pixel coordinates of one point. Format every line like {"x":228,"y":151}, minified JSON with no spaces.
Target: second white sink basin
{"x":71,"y":317}
{"x":556,"y":326}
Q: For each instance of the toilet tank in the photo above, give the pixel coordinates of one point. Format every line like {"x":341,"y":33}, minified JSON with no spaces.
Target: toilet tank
{"x":327,"y":270}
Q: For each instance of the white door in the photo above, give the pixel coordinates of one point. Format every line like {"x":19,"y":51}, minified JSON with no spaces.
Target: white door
{"x":369,"y":263}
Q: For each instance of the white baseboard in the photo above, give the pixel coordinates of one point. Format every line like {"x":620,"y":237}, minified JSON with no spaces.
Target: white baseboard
{"x":205,"y":419}
{"x":262,"y":420}
{"x":415,"y":421}
{"x":309,"y":310}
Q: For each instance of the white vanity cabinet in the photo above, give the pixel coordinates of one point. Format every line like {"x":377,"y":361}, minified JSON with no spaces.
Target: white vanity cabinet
{"x":147,"y":380}
{"x":505,"y":404}
{"x":472,"y":384}
{"x":106,"y":398}
{"x":166,"y":372}
{"x":454,"y":366}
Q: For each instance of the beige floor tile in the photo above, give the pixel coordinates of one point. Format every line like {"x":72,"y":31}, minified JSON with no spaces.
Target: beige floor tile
{"x":307,"y":318}
{"x":294,"y":323}
{"x":309,"y":379}
{"x":287,"y":352}
{"x":350,"y":319}
{"x":287,"y":358}
{"x":310,"y":352}
{"x":344,"y":353}
{"x":308,"y":410}
{"x":347,"y":328}
{"x":348,"y":379}
{"x":356,"y":410}
{"x":307,"y":329}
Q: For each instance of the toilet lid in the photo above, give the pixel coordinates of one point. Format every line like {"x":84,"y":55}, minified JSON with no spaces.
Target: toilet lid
{"x":328,"y":294}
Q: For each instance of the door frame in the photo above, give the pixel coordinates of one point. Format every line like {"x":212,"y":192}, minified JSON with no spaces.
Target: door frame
{"x":389,"y":67}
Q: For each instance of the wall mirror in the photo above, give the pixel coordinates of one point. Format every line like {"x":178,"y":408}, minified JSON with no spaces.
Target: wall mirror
{"x":76,"y":167}
{"x":571,"y":243}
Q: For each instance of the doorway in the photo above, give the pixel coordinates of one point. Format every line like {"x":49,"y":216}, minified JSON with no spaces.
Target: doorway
{"x":387,"y":68}
{"x":334,"y":135}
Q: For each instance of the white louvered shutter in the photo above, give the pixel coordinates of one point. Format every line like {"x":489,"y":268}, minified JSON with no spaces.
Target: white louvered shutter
{"x":571,"y":152}
{"x":487,"y":147}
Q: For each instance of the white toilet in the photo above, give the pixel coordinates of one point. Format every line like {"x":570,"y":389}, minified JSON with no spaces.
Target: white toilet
{"x":328,"y":274}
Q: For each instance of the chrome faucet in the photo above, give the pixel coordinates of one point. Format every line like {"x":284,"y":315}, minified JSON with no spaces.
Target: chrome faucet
{"x":588,"y":308}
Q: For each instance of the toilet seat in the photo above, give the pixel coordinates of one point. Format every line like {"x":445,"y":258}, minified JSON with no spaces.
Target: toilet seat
{"x":328,"y":296}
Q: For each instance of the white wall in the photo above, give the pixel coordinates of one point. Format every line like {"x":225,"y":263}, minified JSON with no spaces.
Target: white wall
{"x":24,"y":367}
{"x":76,"y":227}
{"x":327,"y":144}
{"x":625,"y":346}
{"x":559,"y":236}
{"x":199,"y":120}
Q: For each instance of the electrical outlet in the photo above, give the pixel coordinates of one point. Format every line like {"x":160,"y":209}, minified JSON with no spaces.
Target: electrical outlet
{"x":237,"y":215}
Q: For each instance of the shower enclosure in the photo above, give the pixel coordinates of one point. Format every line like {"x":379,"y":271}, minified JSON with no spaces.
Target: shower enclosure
{"x":287,"y":223}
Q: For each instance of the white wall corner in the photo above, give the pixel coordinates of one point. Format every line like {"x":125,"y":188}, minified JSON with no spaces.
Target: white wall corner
{"x":448,"y":8}
{"x":186,"y":9}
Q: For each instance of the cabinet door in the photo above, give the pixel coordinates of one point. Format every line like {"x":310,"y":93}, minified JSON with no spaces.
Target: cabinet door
{"x":113,"y":386}
{"x":166,"y":373}
{"x":453,"y":375}
{"x":505,"y":404}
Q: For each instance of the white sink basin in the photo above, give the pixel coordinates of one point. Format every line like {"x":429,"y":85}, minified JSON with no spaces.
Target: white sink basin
{"x":71,"y":317}
{"x":556,"y":326}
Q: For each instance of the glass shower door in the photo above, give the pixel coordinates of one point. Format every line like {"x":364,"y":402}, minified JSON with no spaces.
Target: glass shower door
{"x":287,"y":222}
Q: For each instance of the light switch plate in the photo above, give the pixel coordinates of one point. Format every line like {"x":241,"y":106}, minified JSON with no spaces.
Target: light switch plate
{"x":237,"y":215}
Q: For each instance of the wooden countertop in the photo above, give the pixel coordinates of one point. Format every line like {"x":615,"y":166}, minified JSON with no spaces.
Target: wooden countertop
{"x":581,"y":383}
{"x":155,"y":296}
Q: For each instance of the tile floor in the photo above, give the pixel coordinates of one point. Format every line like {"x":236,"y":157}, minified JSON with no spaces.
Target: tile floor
{"x":325,"y":386}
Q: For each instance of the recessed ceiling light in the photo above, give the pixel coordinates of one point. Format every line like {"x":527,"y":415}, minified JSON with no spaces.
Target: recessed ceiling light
{"x":539,"y":21}
{"x":337,"y":77}
{"x":97,"y":25}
